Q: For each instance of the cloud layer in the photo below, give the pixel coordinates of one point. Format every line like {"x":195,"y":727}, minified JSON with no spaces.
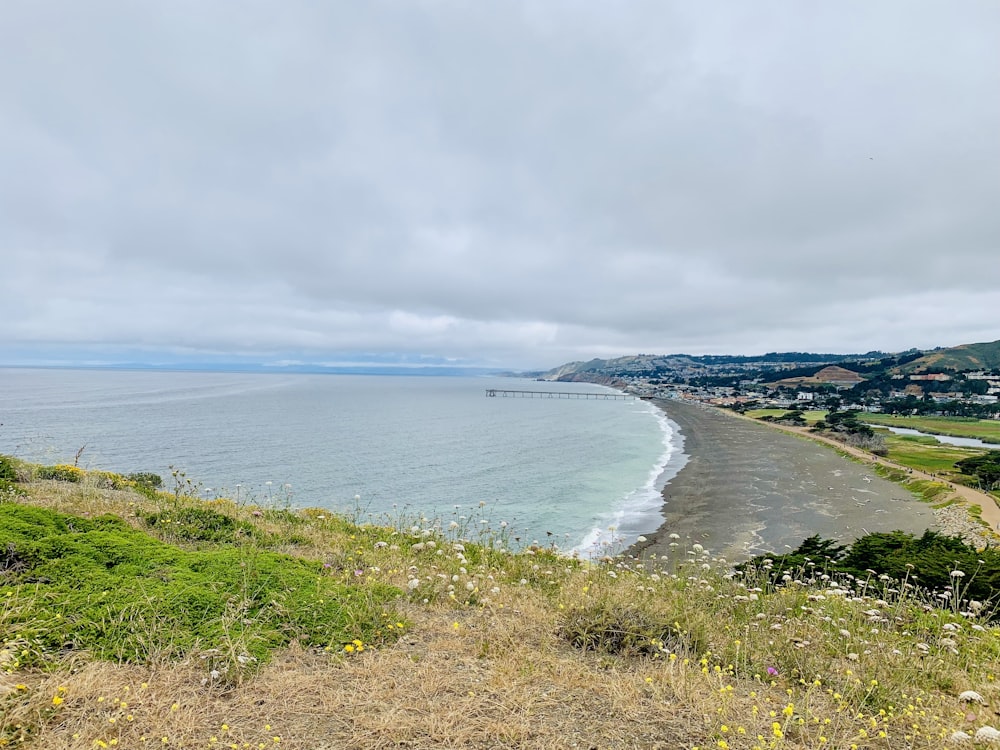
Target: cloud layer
{"x":499,"y":182}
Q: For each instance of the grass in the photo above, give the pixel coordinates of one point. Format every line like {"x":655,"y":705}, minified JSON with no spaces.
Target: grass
{"x":434,"y":636}
{"x":810,"y":417}
{"x":928,"y":455}
{"x":987,"y":430}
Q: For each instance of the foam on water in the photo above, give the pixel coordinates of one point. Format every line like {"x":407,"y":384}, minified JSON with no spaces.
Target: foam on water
{"x":640,"y":510}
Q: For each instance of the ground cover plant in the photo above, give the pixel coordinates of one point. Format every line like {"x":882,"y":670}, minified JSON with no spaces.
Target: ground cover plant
{"x":470,"y":644}
{"x":100,"y":587}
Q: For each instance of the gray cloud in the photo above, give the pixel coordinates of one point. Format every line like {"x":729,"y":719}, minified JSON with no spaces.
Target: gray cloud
{"x":516,"y":183}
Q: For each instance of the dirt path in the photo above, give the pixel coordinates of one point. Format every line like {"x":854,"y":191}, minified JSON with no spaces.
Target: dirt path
{"x":987,"y":503}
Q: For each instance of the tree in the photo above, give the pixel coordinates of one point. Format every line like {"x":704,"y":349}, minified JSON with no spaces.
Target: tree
{"x":985,"y":468}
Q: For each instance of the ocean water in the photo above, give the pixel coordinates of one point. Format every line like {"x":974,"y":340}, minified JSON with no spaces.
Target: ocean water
{"x":583,"y":474}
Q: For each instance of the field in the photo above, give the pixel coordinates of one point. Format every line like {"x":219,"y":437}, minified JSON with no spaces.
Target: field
{"x":927,"y":454}
{"x":811,"y":417}
{"x":320,"y":632}
{"x":987,"y":430}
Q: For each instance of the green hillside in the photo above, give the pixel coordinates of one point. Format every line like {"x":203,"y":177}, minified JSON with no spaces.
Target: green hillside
{"x":984,"y":356}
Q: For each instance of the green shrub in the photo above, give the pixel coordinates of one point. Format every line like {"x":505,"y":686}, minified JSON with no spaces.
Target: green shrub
{"x":62,"y":473}
{"x":8,"y":474}
{"x":937,"y":563}
{"x":624,"y":630}
{"x":200,"y":524}
{"x":100,"y":586}
{"x":146,"y":479}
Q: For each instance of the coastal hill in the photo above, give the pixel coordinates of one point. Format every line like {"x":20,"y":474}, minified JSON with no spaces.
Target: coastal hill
{"x":832,"y":374}
{"x":688,"y":366}
{"x":984,"y":356}
{"x":781,"y":366}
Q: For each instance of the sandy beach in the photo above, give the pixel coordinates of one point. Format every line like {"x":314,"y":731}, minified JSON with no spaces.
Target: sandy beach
{"x":749,"y":489}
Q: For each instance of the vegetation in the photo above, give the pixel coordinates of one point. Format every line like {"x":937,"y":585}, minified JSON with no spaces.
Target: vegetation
{"x":942,"y":566}
{"x":101,"y":587}
{"x":130,"y":619}
{"x":8,"y":475}
{"x":985,"y":468}
{"x":987,"y":430}
{"x":981,"y":356}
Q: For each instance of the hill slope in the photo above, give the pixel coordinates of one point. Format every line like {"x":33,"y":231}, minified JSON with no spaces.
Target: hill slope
{"x":983,"y":356}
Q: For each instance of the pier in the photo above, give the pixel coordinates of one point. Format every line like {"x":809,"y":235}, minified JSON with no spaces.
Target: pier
{"x":494,"y":392}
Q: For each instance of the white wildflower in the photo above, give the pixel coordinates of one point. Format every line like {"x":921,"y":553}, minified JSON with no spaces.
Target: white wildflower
{"x":971,"y":696}
{"x":987,"y":734}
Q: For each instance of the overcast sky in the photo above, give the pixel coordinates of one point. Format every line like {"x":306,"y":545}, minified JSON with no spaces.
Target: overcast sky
{"x":507,"y":183}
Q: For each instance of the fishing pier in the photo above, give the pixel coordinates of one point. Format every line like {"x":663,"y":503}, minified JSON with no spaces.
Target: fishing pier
{"x":494,"y":392}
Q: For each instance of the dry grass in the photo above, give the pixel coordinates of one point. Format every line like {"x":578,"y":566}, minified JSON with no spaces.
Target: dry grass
{"x":487,"y":660}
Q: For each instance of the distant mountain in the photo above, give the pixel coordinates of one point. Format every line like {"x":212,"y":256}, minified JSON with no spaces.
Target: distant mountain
{"x":985,"y":356}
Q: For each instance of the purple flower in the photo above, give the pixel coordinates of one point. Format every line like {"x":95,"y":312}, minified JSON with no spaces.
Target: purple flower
{"x":772,"y":671}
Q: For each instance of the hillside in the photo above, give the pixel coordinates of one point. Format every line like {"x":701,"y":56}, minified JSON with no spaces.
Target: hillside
{"x":803,"y":367}
{"x":984,"y":356}
{"x":832,"y":375}
{"x":688,"y":366}
{"x":317,"y":632}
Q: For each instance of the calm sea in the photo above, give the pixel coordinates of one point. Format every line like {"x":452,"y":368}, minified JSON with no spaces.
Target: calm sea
{"x":563,"y":470}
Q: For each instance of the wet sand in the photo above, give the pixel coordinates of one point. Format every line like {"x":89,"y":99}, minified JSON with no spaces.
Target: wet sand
{"x":749,"y":489}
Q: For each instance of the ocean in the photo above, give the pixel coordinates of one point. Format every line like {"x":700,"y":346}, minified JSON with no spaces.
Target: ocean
{"x":585,"y":475}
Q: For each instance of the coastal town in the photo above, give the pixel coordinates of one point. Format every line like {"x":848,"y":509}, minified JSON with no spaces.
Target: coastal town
{"x":939,"y":382}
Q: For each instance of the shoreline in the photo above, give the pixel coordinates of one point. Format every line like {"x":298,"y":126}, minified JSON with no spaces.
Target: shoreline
{"x":748,"y":489}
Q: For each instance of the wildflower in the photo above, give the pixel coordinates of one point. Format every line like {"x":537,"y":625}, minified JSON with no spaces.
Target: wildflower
{"x":971,"y":696}
{"x":957,"y":574}
{"x":987,"y":734}
{"x":772,"y":671}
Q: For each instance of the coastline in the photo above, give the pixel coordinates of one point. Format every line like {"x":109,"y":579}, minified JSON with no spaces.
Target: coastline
{"x":749,"y":489}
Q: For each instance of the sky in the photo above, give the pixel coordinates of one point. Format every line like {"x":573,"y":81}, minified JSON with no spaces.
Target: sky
{"x":495,"y":183}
